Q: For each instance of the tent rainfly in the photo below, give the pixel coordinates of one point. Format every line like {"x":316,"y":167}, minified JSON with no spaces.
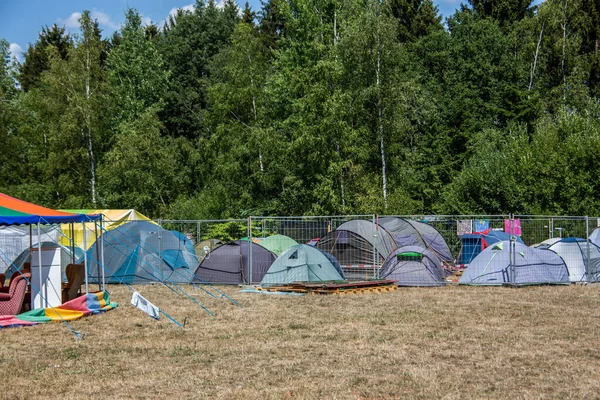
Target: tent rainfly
{"x":358,"y":242}
{"x":302,"y":263}
{"x":407,"y":233}
{"x":575,"y":252}
{"x":277,"y":243}
{"x":229,"y":263}
{"x":471,"y":244}
{"x":142,"y":252}
{"x":413,"y":266}
{"x":531,"y":266}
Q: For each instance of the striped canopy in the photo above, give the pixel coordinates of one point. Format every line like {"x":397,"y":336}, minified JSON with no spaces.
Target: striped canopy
{"x":18,"y":212}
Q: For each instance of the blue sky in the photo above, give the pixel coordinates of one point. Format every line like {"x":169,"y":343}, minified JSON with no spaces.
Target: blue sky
{"x":21,"y":20}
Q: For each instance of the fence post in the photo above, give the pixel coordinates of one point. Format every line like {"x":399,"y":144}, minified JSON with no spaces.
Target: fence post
{"x":376,"y":242}
{"x":512,"y":277}
{"x":588,"y":245}
{"x":250,"y":250}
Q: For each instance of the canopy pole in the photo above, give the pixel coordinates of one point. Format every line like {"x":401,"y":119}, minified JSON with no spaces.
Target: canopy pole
{"x":100,"y":284}
{"x":40,"y":263}
{"x":102,"y":253}
{"x":85,"y":262}
{"x":30,"y":244}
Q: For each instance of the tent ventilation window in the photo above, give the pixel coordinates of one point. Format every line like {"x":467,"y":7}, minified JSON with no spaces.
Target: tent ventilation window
{"x":410,"y":256}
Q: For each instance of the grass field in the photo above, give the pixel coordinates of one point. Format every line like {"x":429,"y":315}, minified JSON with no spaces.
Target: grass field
{"x":453,"y":342}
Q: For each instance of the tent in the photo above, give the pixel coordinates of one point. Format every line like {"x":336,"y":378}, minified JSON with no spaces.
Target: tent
{"x":111,"y":219}
{"x":531,"y":266}
{"x":474,"y":243}
{"x":575,"y":253}
{"x":229,"y":263}
{"x":413,"y":266}
{"x":302,"y":263}
{"x":142,"y":252}
{"x":407,"y":233}
{"x":357,"y":242}
{"x":277,"y":243}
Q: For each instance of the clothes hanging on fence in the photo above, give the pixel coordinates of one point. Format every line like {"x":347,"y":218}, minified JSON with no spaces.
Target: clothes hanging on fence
{"x":482,"y":225}
{"x":512,"y":227}
{"x":464,"y":226}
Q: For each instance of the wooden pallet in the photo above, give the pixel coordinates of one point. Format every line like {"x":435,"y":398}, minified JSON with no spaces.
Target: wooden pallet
{"x":381,"y":286}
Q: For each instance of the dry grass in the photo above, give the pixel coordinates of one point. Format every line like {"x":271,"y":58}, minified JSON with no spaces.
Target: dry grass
{"x":454,"y":342}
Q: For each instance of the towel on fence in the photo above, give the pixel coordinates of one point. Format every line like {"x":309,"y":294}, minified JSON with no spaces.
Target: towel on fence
{"x":137,"y":300}
{"x":464,"y":227}
{"x":481,"y":225}
{"x":512,"y":227}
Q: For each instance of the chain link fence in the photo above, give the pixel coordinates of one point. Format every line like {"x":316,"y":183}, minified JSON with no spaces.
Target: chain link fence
{"x":428,"y":249}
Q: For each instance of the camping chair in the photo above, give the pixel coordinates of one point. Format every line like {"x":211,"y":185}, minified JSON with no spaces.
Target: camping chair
{"x":12,"y":302}
{"x":75,"y":277}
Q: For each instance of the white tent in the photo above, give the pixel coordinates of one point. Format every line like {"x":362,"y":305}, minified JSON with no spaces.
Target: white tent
{"x":575,"y":252}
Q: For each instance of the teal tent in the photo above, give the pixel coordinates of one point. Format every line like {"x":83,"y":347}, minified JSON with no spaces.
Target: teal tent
{"x":277,"y":243}
{"x":302,"y":263}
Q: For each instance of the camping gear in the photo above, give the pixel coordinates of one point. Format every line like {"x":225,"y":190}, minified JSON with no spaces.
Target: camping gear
{"x":142,"y":252}
{"x":531,"y":266}
{"x":302,"y":263}
{"x":358,"y":243}
{"x":413,"y":266}
{"x":407,"y":233}
{"x":277,"y":243}
{"x":474,"y":243}
{"x":229,"y":263}
{"x":575,"y":253}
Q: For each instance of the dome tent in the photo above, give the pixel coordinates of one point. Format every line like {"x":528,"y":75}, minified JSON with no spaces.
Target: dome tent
{"x":277,"y":243}
{"x":142,"y":252}
{"x":531,"y":266}
{"x":229,"y":263}
{"x":356,"y":242}
{"x":302,"y":263}
{"x":575,"y":253}
{"x":413,"y":266}
{"x":407,"y":233}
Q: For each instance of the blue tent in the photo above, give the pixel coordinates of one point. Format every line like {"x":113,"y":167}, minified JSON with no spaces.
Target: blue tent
{"x":142,"y":252}
{"x":474,"y":243}
{"x":532,"y":266}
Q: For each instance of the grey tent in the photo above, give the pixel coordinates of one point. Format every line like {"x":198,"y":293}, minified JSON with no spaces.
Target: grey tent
{"x":142,"y":252}
{"x":413,"y":266}
{"x":407,"y":233}
{"x":358,"y":242}
{"x":532,"y":266}
{"x":302,"y":263}
{"x":229,"y":263}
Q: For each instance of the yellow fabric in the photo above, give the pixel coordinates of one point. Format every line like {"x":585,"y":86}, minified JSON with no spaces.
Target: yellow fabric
{"x":111,"y":219}
{"x":67,"y":315}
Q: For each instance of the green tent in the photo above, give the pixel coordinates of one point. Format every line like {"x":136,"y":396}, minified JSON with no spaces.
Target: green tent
{"x":277,"y":243}
{"x":303,"y":263}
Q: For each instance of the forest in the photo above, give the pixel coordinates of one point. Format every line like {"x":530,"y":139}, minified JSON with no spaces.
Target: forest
{"x":311,"y":107}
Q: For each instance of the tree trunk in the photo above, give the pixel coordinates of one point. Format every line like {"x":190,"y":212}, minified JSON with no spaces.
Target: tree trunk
{"x":537,"y":52}
{"x":564,"y":26}
{"x":380,"y":125}
{"x":90,"y":148}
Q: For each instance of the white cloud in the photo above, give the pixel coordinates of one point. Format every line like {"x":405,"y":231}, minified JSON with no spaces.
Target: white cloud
{"x":16,"y":51}
{"x":103,"y":19}
{"x":146,"y":21}
{"x":71,"y":22}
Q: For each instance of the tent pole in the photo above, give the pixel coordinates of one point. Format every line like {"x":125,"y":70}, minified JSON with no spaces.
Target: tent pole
{"x":30,"y":243}
{"x":85,"y":261}
{"x":102,"y":253}
{"x":250,"y":249}
{"x":40,"y":284}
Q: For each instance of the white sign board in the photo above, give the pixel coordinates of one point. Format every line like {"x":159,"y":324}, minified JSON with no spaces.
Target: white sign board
{"x":45,"y":281}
